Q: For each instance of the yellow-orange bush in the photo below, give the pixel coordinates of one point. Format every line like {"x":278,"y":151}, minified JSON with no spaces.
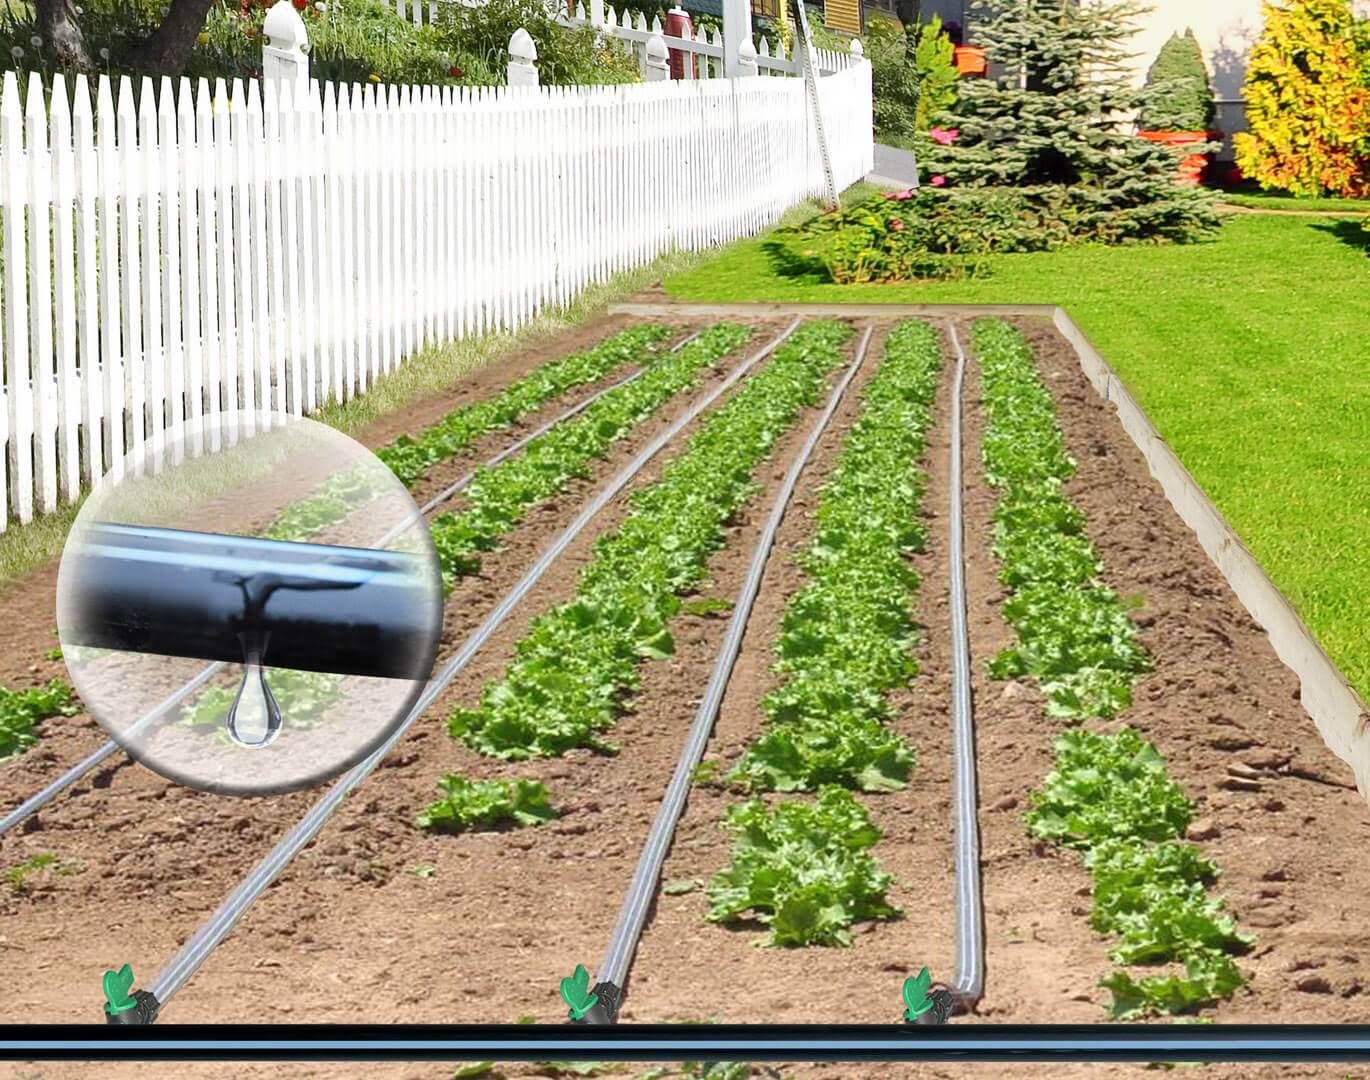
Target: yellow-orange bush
{"x":1308,"y":101}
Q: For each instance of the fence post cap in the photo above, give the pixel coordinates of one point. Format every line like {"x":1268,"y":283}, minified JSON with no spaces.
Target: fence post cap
{"x":521,"y":45}
{"x":857,"y":49}
{"x":656,"y":48}
{"x":283,"y":27}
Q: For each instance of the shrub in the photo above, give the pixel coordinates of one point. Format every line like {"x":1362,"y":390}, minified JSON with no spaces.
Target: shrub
{"x":940,"y":233}
{"x":1181,"y":96}
{"x":909,"y":95}
{"x":565,"y":56}
{"x":349,"y":41}
{"x":1308,"y":101}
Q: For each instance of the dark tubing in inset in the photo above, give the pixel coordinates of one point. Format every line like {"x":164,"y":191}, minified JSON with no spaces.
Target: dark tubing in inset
{"x":349,"y":611}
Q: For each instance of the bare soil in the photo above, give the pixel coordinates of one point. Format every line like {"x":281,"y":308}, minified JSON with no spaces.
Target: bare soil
{"x":360,"y":926}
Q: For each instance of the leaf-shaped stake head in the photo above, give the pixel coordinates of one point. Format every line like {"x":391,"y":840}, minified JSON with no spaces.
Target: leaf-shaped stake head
{"x":916,"y":1001}
{"x":575,"y":991}
{"x":117,"y":987}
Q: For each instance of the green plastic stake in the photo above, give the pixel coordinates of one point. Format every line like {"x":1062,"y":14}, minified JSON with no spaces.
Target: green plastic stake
{"x":575,"y":991}
{"x":117,"y":985}
{"x":916,"y":995}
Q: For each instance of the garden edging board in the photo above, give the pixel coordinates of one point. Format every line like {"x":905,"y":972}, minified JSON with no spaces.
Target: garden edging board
{"x":1341,"y":716}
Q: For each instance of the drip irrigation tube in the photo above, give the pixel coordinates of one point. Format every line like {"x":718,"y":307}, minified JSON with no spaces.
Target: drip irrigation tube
{"x":185,"y":963}
{"x":970,"y":916}
{"x":41,"y":798}
{"x":618,"y":957}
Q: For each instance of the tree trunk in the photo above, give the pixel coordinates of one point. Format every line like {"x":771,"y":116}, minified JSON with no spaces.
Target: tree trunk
{"x":166,"y":51}
{"x":910,"y":13}
{"x":62,"y":35}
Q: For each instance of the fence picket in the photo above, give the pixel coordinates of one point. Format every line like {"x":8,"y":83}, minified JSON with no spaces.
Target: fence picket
{"x":17,"y":378}
{"x":65,"y":306}
{"x":254,"y":192}
{"x":38,"y":165}
{"x":85,"y":194}
{"x":184,"y":172}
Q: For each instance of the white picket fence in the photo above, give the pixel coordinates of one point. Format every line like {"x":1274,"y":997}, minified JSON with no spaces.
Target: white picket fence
{"x":181,"y":253}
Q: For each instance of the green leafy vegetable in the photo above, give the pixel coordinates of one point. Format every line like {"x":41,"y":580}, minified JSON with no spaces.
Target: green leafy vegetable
{"x":22,"y":710}
{"x":1107,"y":787}
{"x":484,"y":804}
{"x":803,"y":869}
{"x":1108,"y":795}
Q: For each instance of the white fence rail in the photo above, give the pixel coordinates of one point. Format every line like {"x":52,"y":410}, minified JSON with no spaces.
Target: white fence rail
{"x":178,"y":253}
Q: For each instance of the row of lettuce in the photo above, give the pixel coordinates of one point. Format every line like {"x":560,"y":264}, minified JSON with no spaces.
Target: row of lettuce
{"x":1109,"y":795}
{"x":804,"y":867}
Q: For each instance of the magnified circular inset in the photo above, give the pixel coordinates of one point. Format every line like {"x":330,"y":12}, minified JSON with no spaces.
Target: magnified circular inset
{"x":249,"y":605}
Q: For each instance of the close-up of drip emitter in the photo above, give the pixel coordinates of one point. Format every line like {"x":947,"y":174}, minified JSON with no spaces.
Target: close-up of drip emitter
{"x":253,"y":603}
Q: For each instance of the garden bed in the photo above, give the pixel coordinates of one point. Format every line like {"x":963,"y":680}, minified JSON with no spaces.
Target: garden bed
{"x":415,"y":926}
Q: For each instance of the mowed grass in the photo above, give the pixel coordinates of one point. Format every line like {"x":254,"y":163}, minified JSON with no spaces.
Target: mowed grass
{"x":1298,"y":202}
{"x":1251,"y":354}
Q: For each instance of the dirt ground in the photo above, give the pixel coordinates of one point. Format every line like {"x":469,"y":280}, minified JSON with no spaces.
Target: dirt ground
{"x":378,"y":919}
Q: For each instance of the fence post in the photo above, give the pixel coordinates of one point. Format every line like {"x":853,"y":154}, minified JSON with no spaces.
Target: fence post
{"x":857,"y":49}
{"x":746,"y":60}
{"x":737,"y":28}
{"x":523,"y":54}
{"x":283,"y":54}
{"x":654,"y":65}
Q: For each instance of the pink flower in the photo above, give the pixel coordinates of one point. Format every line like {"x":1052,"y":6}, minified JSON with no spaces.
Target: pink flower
{"x":901,"y":196}
{"x":945,"y":136}
{"x":897,"y":225}
{"x":938,"y":181}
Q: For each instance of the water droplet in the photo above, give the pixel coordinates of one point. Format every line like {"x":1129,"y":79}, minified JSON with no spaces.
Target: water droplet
{"x":254,"y":718}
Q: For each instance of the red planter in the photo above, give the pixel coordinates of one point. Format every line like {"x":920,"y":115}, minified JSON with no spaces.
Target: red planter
{"x":1192,"y":166}
{"x":678,"y":25}
{"x":970,"y":60}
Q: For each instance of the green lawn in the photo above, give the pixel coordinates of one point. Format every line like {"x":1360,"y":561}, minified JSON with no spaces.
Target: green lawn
{"x":1294,"y":202}
{"x":1250,"y":355}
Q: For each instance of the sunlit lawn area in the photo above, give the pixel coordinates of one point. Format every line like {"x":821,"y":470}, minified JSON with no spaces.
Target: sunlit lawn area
{"x":1250,"y":353}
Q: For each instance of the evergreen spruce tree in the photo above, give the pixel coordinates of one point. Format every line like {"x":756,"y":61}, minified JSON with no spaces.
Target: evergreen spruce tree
{"x":1052,"y":124}
{"x":1183,"y":95}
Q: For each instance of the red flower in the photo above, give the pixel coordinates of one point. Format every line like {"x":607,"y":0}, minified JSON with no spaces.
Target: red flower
{"x":901,"y":196}
{"x":300,"y":5}
{"x":455,"y":72}
{"x":945,"y":136}
{"x":897,"y":225}
{"x":938,"y":181}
